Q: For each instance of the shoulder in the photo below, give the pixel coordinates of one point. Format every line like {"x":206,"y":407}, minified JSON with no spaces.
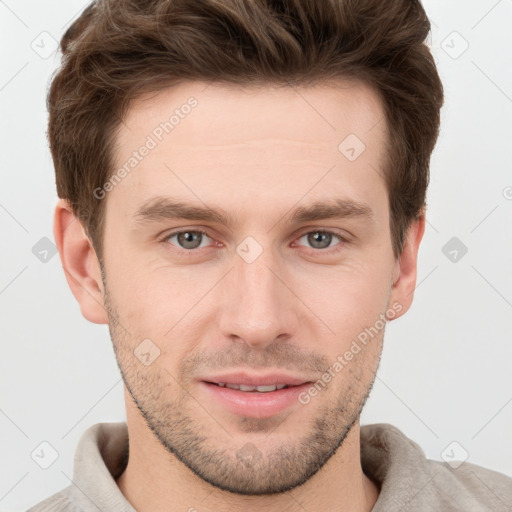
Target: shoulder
{"x":410,"y":481}
{"x":470,"y":487}
{"x":58,"y":502}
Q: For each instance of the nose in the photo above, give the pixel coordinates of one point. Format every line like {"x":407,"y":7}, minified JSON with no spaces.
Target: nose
{"x":258,"y":308}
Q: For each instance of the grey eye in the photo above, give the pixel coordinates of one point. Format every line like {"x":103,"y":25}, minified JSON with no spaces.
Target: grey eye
{"x":188,"y":239}
{"x":320,"y":239}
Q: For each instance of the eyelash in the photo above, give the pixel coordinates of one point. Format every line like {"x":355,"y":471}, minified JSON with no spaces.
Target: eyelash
{"x":328,"y":250}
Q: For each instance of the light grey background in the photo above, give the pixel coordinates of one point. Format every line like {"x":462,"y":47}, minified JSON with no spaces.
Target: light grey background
{"x":446,"y":370}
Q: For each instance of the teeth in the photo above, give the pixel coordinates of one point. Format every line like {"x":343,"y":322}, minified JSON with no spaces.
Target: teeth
{"x":260,"y":389}
{"x":266,"y":389}
{"x":243,"y":387}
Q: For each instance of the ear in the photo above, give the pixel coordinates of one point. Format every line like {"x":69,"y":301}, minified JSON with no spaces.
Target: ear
{"x":406,"y":266}
{"x":80,"y":263}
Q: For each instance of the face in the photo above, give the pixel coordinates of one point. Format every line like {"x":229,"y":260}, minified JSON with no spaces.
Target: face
{"x":246,"y":248}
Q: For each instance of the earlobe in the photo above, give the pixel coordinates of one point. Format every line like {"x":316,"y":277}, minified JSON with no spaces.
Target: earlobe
{"x":405,"y":271}
{"x":79,"y":262}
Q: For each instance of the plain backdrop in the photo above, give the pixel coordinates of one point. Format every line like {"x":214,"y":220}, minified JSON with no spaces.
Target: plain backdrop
{"x":445,"y":377}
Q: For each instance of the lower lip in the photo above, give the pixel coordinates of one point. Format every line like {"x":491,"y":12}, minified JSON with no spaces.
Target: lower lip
{"x":253,"y":403}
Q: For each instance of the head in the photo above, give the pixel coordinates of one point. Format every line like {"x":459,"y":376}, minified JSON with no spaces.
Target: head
{"x":249,"y":182}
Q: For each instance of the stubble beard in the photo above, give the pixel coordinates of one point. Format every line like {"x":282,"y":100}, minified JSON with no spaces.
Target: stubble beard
{"x":263,"y":472}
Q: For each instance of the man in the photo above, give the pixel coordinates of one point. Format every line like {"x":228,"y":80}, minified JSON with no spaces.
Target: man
{"x":242,"y":191}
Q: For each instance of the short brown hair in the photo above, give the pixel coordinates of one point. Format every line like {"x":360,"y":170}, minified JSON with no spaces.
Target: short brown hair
{"x":118,"y":49}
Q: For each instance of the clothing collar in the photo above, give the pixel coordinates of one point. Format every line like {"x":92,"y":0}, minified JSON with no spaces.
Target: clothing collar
{"x":395,"y":463}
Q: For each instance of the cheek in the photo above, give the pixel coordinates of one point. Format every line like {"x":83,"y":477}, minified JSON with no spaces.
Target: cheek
{"x":139,"y":289}
{"x":347,"y":298}
{"x":164,"y":306}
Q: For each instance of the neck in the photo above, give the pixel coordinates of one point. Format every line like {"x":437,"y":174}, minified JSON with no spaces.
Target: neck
{"x":154,"y":480}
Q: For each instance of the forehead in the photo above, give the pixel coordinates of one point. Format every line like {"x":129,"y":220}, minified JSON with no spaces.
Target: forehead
{"x":219,"y":140}
{"x":227,"y":113}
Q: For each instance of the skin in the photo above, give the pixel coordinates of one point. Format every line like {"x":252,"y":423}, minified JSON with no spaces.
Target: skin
{"x":257,"y":154}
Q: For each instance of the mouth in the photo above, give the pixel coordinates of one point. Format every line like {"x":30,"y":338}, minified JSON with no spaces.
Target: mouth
{"x":251,"y":389}
{"x":256,"y":396}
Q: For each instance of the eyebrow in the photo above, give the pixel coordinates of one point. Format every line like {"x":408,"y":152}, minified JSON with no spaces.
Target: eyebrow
{"x":166,"y":208}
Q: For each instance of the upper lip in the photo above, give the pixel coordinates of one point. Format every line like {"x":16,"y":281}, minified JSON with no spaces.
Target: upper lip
{"x":251,"y":379}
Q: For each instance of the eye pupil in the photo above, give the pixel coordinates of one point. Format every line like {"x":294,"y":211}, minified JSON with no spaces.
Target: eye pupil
{"x":189,"y":239}
{"x":319,"y":237}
